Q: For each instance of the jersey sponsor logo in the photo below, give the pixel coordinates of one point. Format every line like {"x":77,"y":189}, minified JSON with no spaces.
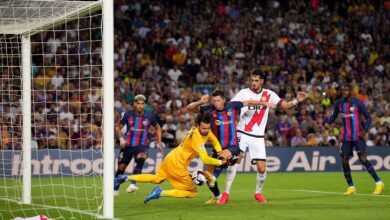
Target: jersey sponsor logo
{"x":229,"y":113}
{"x":352,"y":109}
{"x":258,"y":107}
{"x":259,"y":114}
{"x":145,"y":122}
{"x":218,"y":122}
{"x":202,"y":147}
{"x":347,"y":115}
{"x":138,"y":129}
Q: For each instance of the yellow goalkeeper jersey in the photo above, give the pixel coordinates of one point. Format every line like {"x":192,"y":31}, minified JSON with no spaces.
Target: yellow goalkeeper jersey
{"x":192,"y":145}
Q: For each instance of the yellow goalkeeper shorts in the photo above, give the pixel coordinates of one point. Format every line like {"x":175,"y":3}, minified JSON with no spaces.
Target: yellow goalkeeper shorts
{"x":177,"y":175}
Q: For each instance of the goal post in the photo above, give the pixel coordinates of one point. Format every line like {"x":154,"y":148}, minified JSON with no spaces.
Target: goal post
{"x":20,"y":20}
{"x":108,"y":91}
{"x":26,"y":112}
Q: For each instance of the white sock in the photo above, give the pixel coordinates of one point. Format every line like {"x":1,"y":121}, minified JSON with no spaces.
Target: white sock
{"x":231,"y":173}
{"x":260,"y":179}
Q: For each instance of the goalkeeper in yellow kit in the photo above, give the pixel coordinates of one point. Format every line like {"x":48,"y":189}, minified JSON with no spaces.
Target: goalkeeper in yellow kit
{"x":175,"y":165}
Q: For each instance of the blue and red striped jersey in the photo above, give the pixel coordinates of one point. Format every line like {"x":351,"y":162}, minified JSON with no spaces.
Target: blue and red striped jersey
{"x":352,"y":111}
{"x":224,"y":123}
{"x":137,"y":127}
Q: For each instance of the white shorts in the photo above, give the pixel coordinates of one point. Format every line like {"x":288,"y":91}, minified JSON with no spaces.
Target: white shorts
{"x":256,"y":146}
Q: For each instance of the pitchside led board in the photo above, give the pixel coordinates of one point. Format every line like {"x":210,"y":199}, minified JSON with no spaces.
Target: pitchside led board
{"x":314,"y":159}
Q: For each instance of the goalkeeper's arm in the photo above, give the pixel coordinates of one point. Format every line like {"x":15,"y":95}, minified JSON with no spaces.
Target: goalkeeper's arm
{"x":209,"y":160}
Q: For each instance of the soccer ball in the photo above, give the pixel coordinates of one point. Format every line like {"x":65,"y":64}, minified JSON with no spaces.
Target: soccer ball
{"x":198,"y":177}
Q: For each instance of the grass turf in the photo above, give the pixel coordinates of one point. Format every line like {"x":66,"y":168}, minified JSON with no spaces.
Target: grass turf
{"x":290,"y":196}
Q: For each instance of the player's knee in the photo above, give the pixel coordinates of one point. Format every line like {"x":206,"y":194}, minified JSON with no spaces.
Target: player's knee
{"x":345,"y":161}
{"x":261,"y":169}
{"x":192,"y":194}
{"x":157,"y":180}
{"x":240,"y":156}
{"x":363,"y":159}
{"x":122,"y":166}
{"x":142,"y":155}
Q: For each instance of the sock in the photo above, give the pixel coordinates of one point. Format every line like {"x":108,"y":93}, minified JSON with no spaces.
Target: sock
{"x":371,"y":171}
{"x":178,"y":193}
{"x":217,"y":172}
{"x":138,"y":168}
{"x":142,"y":178}
{"x":347,"y":175}
{"x":231,"y":173}
{"x":215,"y":190}
{"x":260,"y":179}
{"x":118,"y":172}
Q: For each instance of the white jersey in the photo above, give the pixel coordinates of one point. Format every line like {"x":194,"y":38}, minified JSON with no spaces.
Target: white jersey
{"x":254,"y":118}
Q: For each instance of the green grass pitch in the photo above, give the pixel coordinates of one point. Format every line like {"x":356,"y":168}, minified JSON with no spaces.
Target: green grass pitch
{"x":289,"y":195}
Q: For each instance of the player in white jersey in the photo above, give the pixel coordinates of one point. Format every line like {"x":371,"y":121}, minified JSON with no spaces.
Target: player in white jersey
{"x":251,"y":127}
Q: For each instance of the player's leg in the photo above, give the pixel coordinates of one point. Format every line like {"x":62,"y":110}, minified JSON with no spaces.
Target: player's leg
{"x":183,"y":187}
{"x":346,"y":153}
{"x":216,"y":171}
{"x":124,"y":159}
{"x":140,"y":157}
{"x":159,"y":177}
{"x":178,"y":193}
{"x":232,"y":171}
{"x":230,"y":175}
{"x":212,"y":182}
{"x":256,"y":146}
{"x":232,"y":154}
{"x":362,"y":154}
{"x":261,"y":165}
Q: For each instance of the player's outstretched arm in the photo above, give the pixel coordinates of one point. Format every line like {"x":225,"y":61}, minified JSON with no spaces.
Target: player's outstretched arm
{"x":195,"y":106}
{"x":209,"y":160}
{"x":301,"y":96}
{"x":214,"y":141}
{"x":334,"y":114}
{"x":198,"y":146}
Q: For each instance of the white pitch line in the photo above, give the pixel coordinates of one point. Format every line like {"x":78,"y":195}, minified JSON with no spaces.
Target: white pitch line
{"x":61,"y":208}
{"x":326,"y":192}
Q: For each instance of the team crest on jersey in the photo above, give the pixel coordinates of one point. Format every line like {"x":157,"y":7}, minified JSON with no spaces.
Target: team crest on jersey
{"x":145,"y":122}
{"x":229,"y":113}
{"x":217,"y":122}
{"x":132,"y":129}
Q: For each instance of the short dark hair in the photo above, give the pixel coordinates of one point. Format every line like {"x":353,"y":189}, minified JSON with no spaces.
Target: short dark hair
{"x":218,"y":92}
{"x":346,"y":85}
{"x":204,"y":117}
{"x":258,"y":72}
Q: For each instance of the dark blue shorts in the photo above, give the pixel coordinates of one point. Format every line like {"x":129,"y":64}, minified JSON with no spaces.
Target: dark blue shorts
{"x":346,"y":148}
{"x":234,"y":150}
{"x":127,"y":153}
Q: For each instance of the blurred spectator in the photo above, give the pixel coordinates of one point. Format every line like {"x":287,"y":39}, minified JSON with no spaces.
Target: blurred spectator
{"x":298,"y":140}
{"x":180,"y":132}
{"x":169,"y":132}
{"x":172,"y":57}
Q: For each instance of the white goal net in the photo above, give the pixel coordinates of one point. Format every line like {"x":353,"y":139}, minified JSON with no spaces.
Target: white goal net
{"x":59,"y":45}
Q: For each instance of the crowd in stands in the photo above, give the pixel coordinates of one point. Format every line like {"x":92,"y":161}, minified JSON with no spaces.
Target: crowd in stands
{"x":175,"y":51}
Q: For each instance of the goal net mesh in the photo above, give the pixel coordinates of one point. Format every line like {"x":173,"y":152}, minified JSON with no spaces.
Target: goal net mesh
{"x":66,"y":108}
